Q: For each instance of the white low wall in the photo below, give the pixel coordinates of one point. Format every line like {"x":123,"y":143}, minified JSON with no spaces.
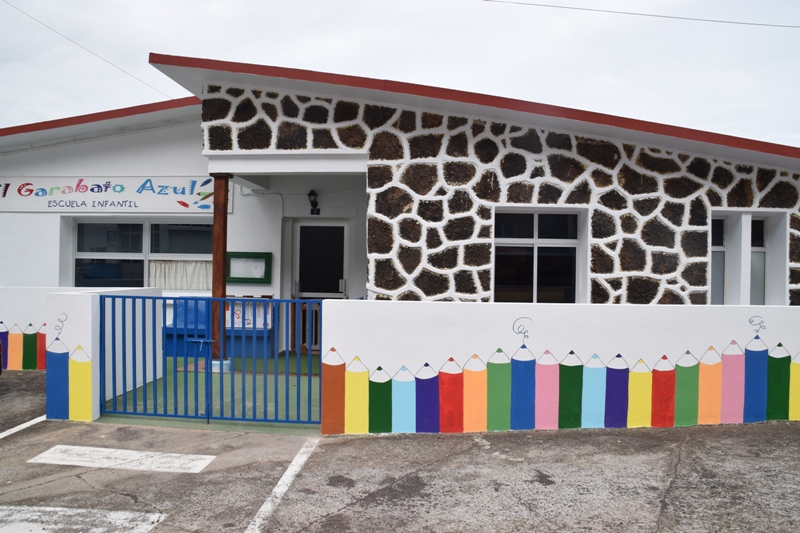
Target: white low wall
{"x":28,"y":305}
{"x":393,"y":334}
{"x":80,"y":313}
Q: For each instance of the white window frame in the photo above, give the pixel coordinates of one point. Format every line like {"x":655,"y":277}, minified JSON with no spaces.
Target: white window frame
{"x":763,"y":249}
{"x":581,"y":245}
{"x":737,"y":248}
{"x":145,"y":255}
{"x":719,"y":248}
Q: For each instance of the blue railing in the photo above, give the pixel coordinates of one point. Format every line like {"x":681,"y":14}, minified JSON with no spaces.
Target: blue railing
{"x":164,"y":356}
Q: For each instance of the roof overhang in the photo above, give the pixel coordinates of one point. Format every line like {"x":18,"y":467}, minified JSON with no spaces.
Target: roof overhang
{"x":194,"y":74}
{"x":94,"y":125}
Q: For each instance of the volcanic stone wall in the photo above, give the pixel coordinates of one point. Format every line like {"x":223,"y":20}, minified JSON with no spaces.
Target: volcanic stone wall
{"x":434,"y":180}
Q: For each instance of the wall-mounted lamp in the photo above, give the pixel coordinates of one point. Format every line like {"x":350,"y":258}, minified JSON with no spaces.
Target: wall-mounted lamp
{"x":312,"y":199}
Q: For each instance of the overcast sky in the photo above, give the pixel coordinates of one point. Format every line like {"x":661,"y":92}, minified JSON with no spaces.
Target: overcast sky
{"x":733,"y":79}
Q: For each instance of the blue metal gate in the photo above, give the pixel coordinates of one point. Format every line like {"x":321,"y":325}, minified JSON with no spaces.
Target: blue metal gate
{"x":166,"y":357}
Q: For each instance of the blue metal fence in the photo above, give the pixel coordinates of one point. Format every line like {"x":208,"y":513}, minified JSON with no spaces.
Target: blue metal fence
{"x":164,"y":356}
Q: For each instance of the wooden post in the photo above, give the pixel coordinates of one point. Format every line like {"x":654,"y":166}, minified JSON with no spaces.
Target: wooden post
{"x":219,"y":250}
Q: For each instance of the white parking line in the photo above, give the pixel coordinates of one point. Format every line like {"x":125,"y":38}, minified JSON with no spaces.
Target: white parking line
{"x":20,"y":427}
{"x":52,"y":519}
{"x":123,"y":459}
{"x":280,"y":489}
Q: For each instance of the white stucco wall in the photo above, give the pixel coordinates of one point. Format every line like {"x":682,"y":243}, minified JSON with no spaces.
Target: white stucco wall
{"x":341,"y":199}
{"x":170,"y":150}
{"x":37,"y":249}
{"x":27,"y":305}
{"x":31,"y":249}
{"x":39,"y":246}
{"x":415,"y":333}
{"x":255,"y":226}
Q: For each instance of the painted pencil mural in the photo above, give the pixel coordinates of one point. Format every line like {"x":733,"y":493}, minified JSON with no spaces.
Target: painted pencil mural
{"x":15,"y":348}
{"x":523,"y":389}
{"x":593,"y":397}
{"x":41,"y":348}
{"x":380,"y":402}
{"x":80,"y":385}
{"x":709,"y":387}
{"x":23,"y":349}
{"x":617,"y":373}
{"x":498,"y":392}
{"x":451,"y":398}
{"x":640,"y":396}
{"x":475,"y":395}
{"x":427,"y":401}
{"x":732,"y":408}
{"x":523,"y":381}
{"x":3,"y":345}
{"x":778,"y":376}
{"x":57,"y":381}
{"x":547,"y":390}
{"x":404,"y":399}
{"x":356,"y":397}
{"x":794,"y":388}
{"x":524,"y":392}
{"x":755,"y":380}
{"x":332,"y":393}
{"x":663,"y":395}
{"x":687,"y":390}
{"x":30,"y":346}
{"x":570,"y":392}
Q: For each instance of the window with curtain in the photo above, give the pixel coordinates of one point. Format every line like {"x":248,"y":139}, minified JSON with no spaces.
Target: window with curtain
{"x":180,"y":275}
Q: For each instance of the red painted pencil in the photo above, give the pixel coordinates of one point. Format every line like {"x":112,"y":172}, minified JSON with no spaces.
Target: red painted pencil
{"x":663,"y":406}
{"x":451,"y":398}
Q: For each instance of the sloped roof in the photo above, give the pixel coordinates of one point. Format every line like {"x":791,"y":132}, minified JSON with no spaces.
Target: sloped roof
{"x":195,"y":73}
{"x":97,"y":124}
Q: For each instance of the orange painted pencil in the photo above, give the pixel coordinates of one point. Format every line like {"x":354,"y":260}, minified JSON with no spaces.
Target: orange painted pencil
{"x":710,"y":388}
{"x":475,"y":387}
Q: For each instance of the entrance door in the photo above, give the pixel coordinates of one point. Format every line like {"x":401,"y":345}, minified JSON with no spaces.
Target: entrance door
{"x":320,"y":264}
{"x":320,"y":259}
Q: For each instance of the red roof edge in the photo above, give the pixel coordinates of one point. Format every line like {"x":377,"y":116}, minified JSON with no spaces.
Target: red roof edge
{"x":98,"y":117}
{"x":480,"y":99}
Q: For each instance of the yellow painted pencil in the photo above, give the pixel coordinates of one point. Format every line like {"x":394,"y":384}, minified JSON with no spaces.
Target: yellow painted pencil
{"x":356,"y":398}
{"x":640,"y":396}
{"x":80,"y":386}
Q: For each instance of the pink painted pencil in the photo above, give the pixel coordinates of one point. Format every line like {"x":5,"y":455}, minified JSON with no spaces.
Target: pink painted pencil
{"x":547,"y":392}
{"x":732,"y":411}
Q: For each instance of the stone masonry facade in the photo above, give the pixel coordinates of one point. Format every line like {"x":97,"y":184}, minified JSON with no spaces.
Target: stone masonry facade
{"x":434,"y":181}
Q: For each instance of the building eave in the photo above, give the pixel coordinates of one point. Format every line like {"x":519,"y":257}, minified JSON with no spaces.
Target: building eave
{"x":194,"y":74}
{"x":89,"y":126}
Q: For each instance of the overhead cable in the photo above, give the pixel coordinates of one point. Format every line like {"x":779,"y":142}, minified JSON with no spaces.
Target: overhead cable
{"x":80,"y":45}
{"x":652,"y":15}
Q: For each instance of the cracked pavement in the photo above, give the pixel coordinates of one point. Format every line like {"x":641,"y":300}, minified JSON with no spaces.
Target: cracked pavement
{"x":721,"y":478}
{"x":711,"y":478}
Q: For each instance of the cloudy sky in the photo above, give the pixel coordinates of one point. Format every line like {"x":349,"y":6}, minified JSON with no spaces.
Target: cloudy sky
{"x":735,"y":79}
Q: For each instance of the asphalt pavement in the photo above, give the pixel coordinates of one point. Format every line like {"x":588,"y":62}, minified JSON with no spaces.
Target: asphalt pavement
{"x":712,"y":478}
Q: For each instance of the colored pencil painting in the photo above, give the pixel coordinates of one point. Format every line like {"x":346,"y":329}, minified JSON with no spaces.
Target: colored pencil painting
{"x":57,"y":381}
{"x":69,"y":382}
{"x":23,"y":349}
{"x":495,"y":392}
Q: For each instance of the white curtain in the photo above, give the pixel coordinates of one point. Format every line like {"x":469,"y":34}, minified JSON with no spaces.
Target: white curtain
{"x":180,"y":275}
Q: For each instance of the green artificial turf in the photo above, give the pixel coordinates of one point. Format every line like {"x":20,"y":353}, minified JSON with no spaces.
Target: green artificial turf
{"x":246,"y":393}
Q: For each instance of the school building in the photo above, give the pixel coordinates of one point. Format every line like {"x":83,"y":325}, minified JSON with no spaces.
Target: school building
{"x":470,"y":262}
